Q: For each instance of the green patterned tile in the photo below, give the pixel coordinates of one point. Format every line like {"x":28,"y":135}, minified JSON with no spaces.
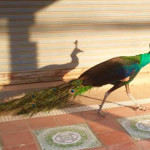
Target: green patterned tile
{"x":138,"y":127}
{"x":71,"y":137}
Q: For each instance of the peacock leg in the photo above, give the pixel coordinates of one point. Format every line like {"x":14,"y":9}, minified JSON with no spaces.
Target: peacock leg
{"x":116,"y":86}
{"x":139,"y":107}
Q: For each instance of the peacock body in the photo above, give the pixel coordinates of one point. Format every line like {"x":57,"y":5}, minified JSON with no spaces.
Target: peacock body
{"x":118,"y":71}
{"x":114,"y":70}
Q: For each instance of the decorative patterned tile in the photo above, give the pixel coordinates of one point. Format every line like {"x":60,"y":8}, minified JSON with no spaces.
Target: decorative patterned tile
{"x":71,"y":137}
{"x":138,"y":127}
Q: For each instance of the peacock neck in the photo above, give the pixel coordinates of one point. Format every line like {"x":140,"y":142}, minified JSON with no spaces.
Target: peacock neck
{"x":145,"y":59}
{"x":74,"y":58}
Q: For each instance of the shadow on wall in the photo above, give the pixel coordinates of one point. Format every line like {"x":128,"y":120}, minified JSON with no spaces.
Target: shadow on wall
{"x":20,"y":17}
{"x":73,"y":64}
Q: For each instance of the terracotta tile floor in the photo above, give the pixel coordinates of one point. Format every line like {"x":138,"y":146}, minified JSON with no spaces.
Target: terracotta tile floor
{"x":18,"y":135}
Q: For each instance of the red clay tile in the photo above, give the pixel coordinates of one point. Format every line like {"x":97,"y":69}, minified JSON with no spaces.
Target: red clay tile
{"x":93,"y":115}
{"x":144,"y":144}
{"x":105,"y":125}
{"x":12,"y":126}
{"x":17,"y":138}
{"x":125,"y":146}
{"x":115,"y":137}
{"x":42,"y":122}
{"x":69,"y":119}
{"x":121,"y":112}
{"x":23,"y":147}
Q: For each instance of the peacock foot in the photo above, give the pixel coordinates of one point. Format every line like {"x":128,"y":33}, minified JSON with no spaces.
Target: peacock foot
{"x":101,"y":113}
{"x":140,"y":107}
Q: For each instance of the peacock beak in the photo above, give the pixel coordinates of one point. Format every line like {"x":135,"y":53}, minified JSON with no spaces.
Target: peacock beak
{"x":80,"y":51}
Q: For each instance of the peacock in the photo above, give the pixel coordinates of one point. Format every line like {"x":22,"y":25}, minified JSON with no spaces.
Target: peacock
{"x":117,"y":71}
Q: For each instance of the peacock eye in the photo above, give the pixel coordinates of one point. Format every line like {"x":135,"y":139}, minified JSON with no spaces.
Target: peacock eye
{"x":78,"y":82}
{"x":71,"y":91}
{"x":33,"y":105}
{"x":33,"y":96}
{"x":54,"y":89}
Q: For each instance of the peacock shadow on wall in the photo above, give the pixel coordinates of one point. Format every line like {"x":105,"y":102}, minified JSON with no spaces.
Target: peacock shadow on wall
{"x":71,"y":65}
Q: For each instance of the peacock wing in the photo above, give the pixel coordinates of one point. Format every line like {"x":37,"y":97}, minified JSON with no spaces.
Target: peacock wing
{"x":111,"y":71}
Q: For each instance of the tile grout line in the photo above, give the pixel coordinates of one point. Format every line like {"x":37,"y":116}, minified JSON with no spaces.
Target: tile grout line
{"x":74,"y":110}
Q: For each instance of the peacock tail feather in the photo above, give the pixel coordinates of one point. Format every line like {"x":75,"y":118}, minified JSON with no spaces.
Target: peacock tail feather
{"x":45,"y":100}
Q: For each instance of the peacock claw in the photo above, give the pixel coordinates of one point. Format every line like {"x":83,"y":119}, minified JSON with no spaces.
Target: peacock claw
{"x":101,"y":113}
{"x":139,"y":107}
